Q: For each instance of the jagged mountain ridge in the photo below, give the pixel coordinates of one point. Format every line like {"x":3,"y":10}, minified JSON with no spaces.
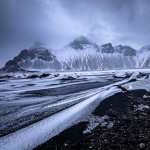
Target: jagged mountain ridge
{"x":80,"y":54}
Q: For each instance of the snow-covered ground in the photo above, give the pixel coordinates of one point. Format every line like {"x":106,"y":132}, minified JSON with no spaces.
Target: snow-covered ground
{"x":34,"y":110}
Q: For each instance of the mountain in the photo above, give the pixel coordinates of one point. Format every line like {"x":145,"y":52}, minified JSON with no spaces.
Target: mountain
{"x":81,"y":54}
{"x":33,"y":59}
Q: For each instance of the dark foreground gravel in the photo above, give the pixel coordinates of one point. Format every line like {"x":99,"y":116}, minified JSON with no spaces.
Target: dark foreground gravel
{"x":130,"y":113}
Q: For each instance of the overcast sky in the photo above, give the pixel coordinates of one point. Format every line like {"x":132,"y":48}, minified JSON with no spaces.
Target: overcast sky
{"x":56,"y":22}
